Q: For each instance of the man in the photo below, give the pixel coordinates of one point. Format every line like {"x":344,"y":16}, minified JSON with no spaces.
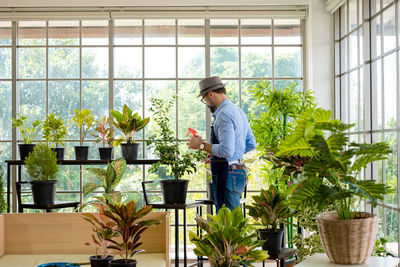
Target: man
{"x":231,"y":137}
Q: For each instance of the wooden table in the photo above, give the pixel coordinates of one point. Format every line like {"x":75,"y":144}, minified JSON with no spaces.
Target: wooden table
{"x":322,"y":260}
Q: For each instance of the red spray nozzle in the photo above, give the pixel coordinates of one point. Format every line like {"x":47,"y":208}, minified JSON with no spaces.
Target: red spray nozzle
{"x":192,"y":131}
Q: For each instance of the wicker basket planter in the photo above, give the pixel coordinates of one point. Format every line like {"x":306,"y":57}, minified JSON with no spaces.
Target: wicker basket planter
{"x":347,"y":241}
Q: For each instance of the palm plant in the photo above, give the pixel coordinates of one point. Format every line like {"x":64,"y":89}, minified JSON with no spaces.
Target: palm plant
{"x":330,"y":175}
{"x":230,"y":240}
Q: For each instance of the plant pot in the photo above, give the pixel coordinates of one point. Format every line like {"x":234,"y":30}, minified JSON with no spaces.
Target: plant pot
{"x":97,"y":261}
{"x":210,"y":191}
{"x":174,"y":192}
{"x":347,"y":241}
{"x":59,"y":152}
{"x":43,"y":192}
{"x":121,"y":263}
{"x":24,"y":150}
{"x":273,"y":239}
{"x":130,"y":151}
{"x":105,"y":152}
{"x":81,"y":152}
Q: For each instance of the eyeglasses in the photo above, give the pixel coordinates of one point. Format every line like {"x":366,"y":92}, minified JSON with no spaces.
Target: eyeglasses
{"x":202,"y":99}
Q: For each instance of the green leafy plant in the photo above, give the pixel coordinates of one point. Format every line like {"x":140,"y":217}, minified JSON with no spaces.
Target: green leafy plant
{"x":129,"y":124}
{"x":127,"y":229}
{"x":109,"y":179}
{"x":54,"y":130}
{"x":166,"y":146}
{"x":270,"y":208}
{"x":83,"y":119}
{"x":330,"y":175}
{"x":3,"y":202}
{"x":102,"y":228}
{"x":379,"y":248}
{"x":28,"y":134}
{"x":42,"y":163}
{"x":230,"y":240}
{"x":104,"y":131}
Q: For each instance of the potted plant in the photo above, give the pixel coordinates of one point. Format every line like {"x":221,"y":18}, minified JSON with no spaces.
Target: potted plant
{"x":105,"y":135}
{"x":102,"y":228}
{"x":27,"y":134}
{"x":128,"y":229}
{"x":54,"y":132}
{"x":271,"y":209}
{"x":230,"y":240}
{"x":83,"y":119}
{"x":129,"y":124}
{"x":42,"y":169}
{"x":109,"y":179}
{"x":166,"y":147}
{"x":330,"y":178}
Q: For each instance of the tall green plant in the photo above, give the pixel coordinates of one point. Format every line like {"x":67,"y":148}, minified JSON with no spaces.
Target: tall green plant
{"x":230,"y":240}
{"x":330,"y":175}
{"x":42,"y":163}
{"x":27,"y":133}
{"x":83,"y":119}
{"x":129,"y":124}
{"x":166,"y":146}
{"x":3,"y":202}
{"x":54,"y":130}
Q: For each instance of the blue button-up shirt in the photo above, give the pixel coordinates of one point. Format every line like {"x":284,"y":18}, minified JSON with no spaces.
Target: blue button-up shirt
{"x":233,"y":132}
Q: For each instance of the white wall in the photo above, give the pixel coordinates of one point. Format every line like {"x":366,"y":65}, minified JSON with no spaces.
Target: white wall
{"x":319,"y":29}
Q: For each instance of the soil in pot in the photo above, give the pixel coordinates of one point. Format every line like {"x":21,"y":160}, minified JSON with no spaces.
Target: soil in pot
{"x":105,"y":152}
{"x":122,"y":263}
{"x":59,"y":152}
{"x":24,"y":150}
{"x":43,"y":192}
{"x":97,"y":261}
{"x":81,"y":152}
{"x":174,"y":192}
{"x":273,"y":239}
{"x":130,"y":151}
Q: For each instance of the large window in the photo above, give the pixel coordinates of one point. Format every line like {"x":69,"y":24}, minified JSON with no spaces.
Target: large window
{"x":57,"y":66}
{"x":367,"y":91}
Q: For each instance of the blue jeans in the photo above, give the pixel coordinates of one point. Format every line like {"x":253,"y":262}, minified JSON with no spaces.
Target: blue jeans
{"x":233,"y":189}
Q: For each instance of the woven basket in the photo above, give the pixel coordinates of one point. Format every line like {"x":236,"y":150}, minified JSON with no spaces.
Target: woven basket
{"x":347,"y":241}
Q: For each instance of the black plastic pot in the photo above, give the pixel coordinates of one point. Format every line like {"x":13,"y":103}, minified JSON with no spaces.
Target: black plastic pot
{"x":130,"y":151}
{"x":24,"y":150}
{"x":105,"y":152}
{"x":273,"y":239}
{"x":210,"y":191}
{"x":59,"y":153}
{"x":81,"y":152}
{"x":43,"y":191}
{"x":97,"y":261}
{"x":174,"y":192}
{"x":121,"y":263}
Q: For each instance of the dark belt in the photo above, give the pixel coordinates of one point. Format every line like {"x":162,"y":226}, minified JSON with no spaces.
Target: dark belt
{"x":236,"y":167}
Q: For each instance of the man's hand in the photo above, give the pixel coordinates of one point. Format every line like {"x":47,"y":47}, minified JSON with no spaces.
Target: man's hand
{"x":194,"y":142}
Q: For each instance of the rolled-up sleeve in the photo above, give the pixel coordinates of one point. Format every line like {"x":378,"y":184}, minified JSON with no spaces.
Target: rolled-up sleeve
{"x":226,"y":137}
{"x":250,"y":140}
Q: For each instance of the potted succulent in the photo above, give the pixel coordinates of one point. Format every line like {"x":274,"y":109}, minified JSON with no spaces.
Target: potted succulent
{"x":105,"y":135}
{"x":129,"y":124}
{"x":42,"y":169}
{"x":127,"y":229}
{"x":330,"y":178}
{"x":27,"y":134}
{"x":271,"y":209}
{"x":109,"y":179}
{"x":230,"y":240}
{"x":166,"y":147}
{"x":83,"y":119}
{"x":102,"y":228}
{"x":54,"y":132}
